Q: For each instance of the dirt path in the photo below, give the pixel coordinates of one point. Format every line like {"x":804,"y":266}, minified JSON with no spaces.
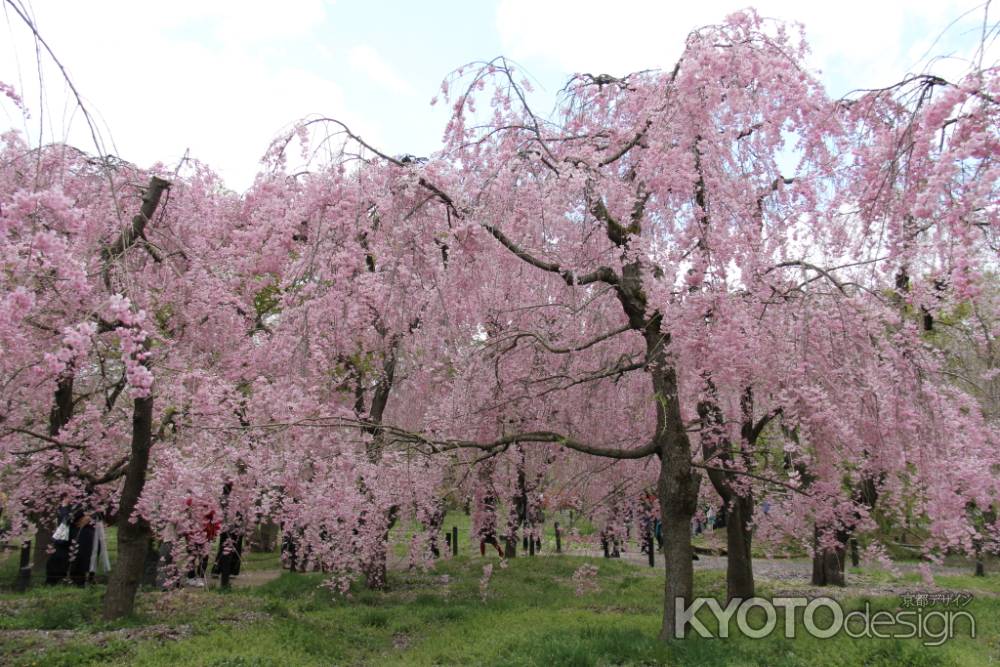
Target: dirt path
{"x":792,"y":576}
{"x":783,"y":575}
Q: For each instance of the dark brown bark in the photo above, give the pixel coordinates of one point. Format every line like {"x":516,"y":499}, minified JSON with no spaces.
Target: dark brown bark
{"x":43,"y":538}
{"x":135,"y":232}
{"x":739,"y":562}
{"x":677,"y":488}
{"x":376,"y":570}
{"x":62,"y":406}
{"x":133,"y":532}
{"x":829,"y":562}
{"x":678,"y":491}
{"x":678,"y":482}
{"x":133,"y":536}
{"x":510,"y":547}
{"x":739,"y":505}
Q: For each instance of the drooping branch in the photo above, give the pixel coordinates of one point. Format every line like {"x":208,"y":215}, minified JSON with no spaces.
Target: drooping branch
{"x":602,"y":274}
{"x":745,"y":473}
{"x":823,"y":272}
{"x":629,"y":145}
{"x":528,"y":437}
{"x":515,"y":337}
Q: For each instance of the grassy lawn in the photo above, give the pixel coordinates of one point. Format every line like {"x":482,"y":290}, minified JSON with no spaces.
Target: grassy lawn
{"x":531,"y":616}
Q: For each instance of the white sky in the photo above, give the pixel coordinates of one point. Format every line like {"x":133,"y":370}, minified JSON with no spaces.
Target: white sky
{"x":223,"y":77}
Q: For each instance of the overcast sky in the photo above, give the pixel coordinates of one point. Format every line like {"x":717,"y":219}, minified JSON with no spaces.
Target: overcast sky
{"x":222,"y":77}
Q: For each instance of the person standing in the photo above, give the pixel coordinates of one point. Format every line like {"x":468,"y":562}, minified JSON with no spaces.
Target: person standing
{"x":99,"y":554}
{"x":230,"y":553}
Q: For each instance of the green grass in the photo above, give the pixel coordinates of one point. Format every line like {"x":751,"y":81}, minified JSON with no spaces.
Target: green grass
{"x":531,"y":616}
{"x":260,"y":561}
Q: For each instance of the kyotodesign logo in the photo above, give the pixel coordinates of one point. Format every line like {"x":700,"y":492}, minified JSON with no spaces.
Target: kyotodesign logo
{"x":933,"y":626}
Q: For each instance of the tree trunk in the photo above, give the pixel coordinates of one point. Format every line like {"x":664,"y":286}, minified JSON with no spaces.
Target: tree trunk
{"x":376,"y":570}
{"x":677,"y":488}
{"x":43,"y":537}
{"x":738,"y":505}
{"x":739,"y":563}
{"x":828,"y":563}
{"x":678,"y":498}
{"x":510,"y":547}
{"x":133,"y":536}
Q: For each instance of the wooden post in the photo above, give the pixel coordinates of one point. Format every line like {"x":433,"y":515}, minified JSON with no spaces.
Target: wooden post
{"x":288,"y":546}
{"x":454,"y":540}
{"x":558,"y":539}
{"x":24,"y":573}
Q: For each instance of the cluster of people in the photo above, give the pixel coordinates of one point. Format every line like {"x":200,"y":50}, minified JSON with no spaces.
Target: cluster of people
{"x":209,"y":527}
{"x":710,"y":519}
{"x":79,"y":548}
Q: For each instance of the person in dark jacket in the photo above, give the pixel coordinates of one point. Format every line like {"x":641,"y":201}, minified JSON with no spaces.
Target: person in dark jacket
{"x":70,"y":557}
{"x":81,"y":547}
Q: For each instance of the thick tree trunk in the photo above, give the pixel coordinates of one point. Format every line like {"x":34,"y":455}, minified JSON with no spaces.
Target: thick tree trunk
{"x":739,"y":538}
{"x":677,"y":488}
{"x":376,"y":571}
{"x":678,"y":491}
{"x":828,"y":563}
{"x":677,"y":484}
{"x":133,"y":536}
{"x":738,"y":504}
{"x":739,"y":563}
